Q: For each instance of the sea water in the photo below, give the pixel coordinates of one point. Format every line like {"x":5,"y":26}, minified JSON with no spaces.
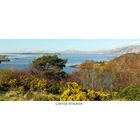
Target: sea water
{"x":23,"y":61}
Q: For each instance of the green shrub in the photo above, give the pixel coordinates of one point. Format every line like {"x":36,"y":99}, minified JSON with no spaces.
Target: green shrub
{"x":131,"y":93}
{"x":54,"y":90}
{"x":52,"y":97}
{"x":4,"y":79}
{"x":40,"y":97}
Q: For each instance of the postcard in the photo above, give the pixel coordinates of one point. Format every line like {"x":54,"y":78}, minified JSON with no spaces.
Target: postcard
{"x":69,"y":70}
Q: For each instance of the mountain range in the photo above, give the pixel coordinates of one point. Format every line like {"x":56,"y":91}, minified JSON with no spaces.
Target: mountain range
{"x":124,"y":50}
{"x":114,"y":52}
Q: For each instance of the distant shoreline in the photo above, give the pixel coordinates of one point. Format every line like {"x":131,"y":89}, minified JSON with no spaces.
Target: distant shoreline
{"x":89,"y":64}
{"x":29,"y":53}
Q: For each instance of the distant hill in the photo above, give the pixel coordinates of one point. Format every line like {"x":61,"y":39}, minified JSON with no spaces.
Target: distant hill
{"x":82,"y":52}
{"x":114,"y":52}
{"x":124,"y":50}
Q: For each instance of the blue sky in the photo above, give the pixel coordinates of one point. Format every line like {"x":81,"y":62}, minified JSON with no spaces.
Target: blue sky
{"x":54,"y":45}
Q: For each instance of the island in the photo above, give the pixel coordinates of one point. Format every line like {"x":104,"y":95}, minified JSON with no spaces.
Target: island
{"x":4,"y":58}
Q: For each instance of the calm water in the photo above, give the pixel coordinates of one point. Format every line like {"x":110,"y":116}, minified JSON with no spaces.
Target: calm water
{"x":24,"y":61}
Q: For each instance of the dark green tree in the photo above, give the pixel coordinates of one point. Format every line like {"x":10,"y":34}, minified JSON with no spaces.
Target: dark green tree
{"x":49,"y":67}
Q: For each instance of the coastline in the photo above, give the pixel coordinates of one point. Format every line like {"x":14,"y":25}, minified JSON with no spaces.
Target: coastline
{"x":89,"y":64}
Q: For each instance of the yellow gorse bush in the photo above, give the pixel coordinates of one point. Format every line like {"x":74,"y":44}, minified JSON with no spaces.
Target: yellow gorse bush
{"x":13,"y":83}
{"x":43,"y":84}
{"x":73,"y":92}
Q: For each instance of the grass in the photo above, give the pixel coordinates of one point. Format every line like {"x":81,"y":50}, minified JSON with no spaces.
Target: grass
{"x":4,"y":97}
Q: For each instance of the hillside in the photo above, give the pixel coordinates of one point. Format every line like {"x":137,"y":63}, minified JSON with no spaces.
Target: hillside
{"x":131,"y":60}
{"x":124,"y":50}
{"x":120,"y":72}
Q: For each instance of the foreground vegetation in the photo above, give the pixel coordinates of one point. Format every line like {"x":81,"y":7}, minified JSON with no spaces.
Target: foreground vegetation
{"x":117,"y":80}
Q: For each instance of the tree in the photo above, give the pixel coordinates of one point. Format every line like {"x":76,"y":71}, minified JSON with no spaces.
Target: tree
{"x":50,"y":67}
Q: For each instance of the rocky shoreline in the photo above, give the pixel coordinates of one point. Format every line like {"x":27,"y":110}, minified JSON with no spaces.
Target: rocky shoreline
{"x":4,"y":58}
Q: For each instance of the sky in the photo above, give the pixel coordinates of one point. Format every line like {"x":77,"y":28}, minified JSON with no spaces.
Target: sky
{"x":56,"y":45}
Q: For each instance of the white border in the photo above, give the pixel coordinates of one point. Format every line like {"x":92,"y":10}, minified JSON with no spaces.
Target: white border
{"x":61,"y":19}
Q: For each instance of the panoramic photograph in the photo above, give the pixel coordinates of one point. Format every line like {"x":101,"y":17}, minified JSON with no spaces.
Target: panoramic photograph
{"x":69,"y":69}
